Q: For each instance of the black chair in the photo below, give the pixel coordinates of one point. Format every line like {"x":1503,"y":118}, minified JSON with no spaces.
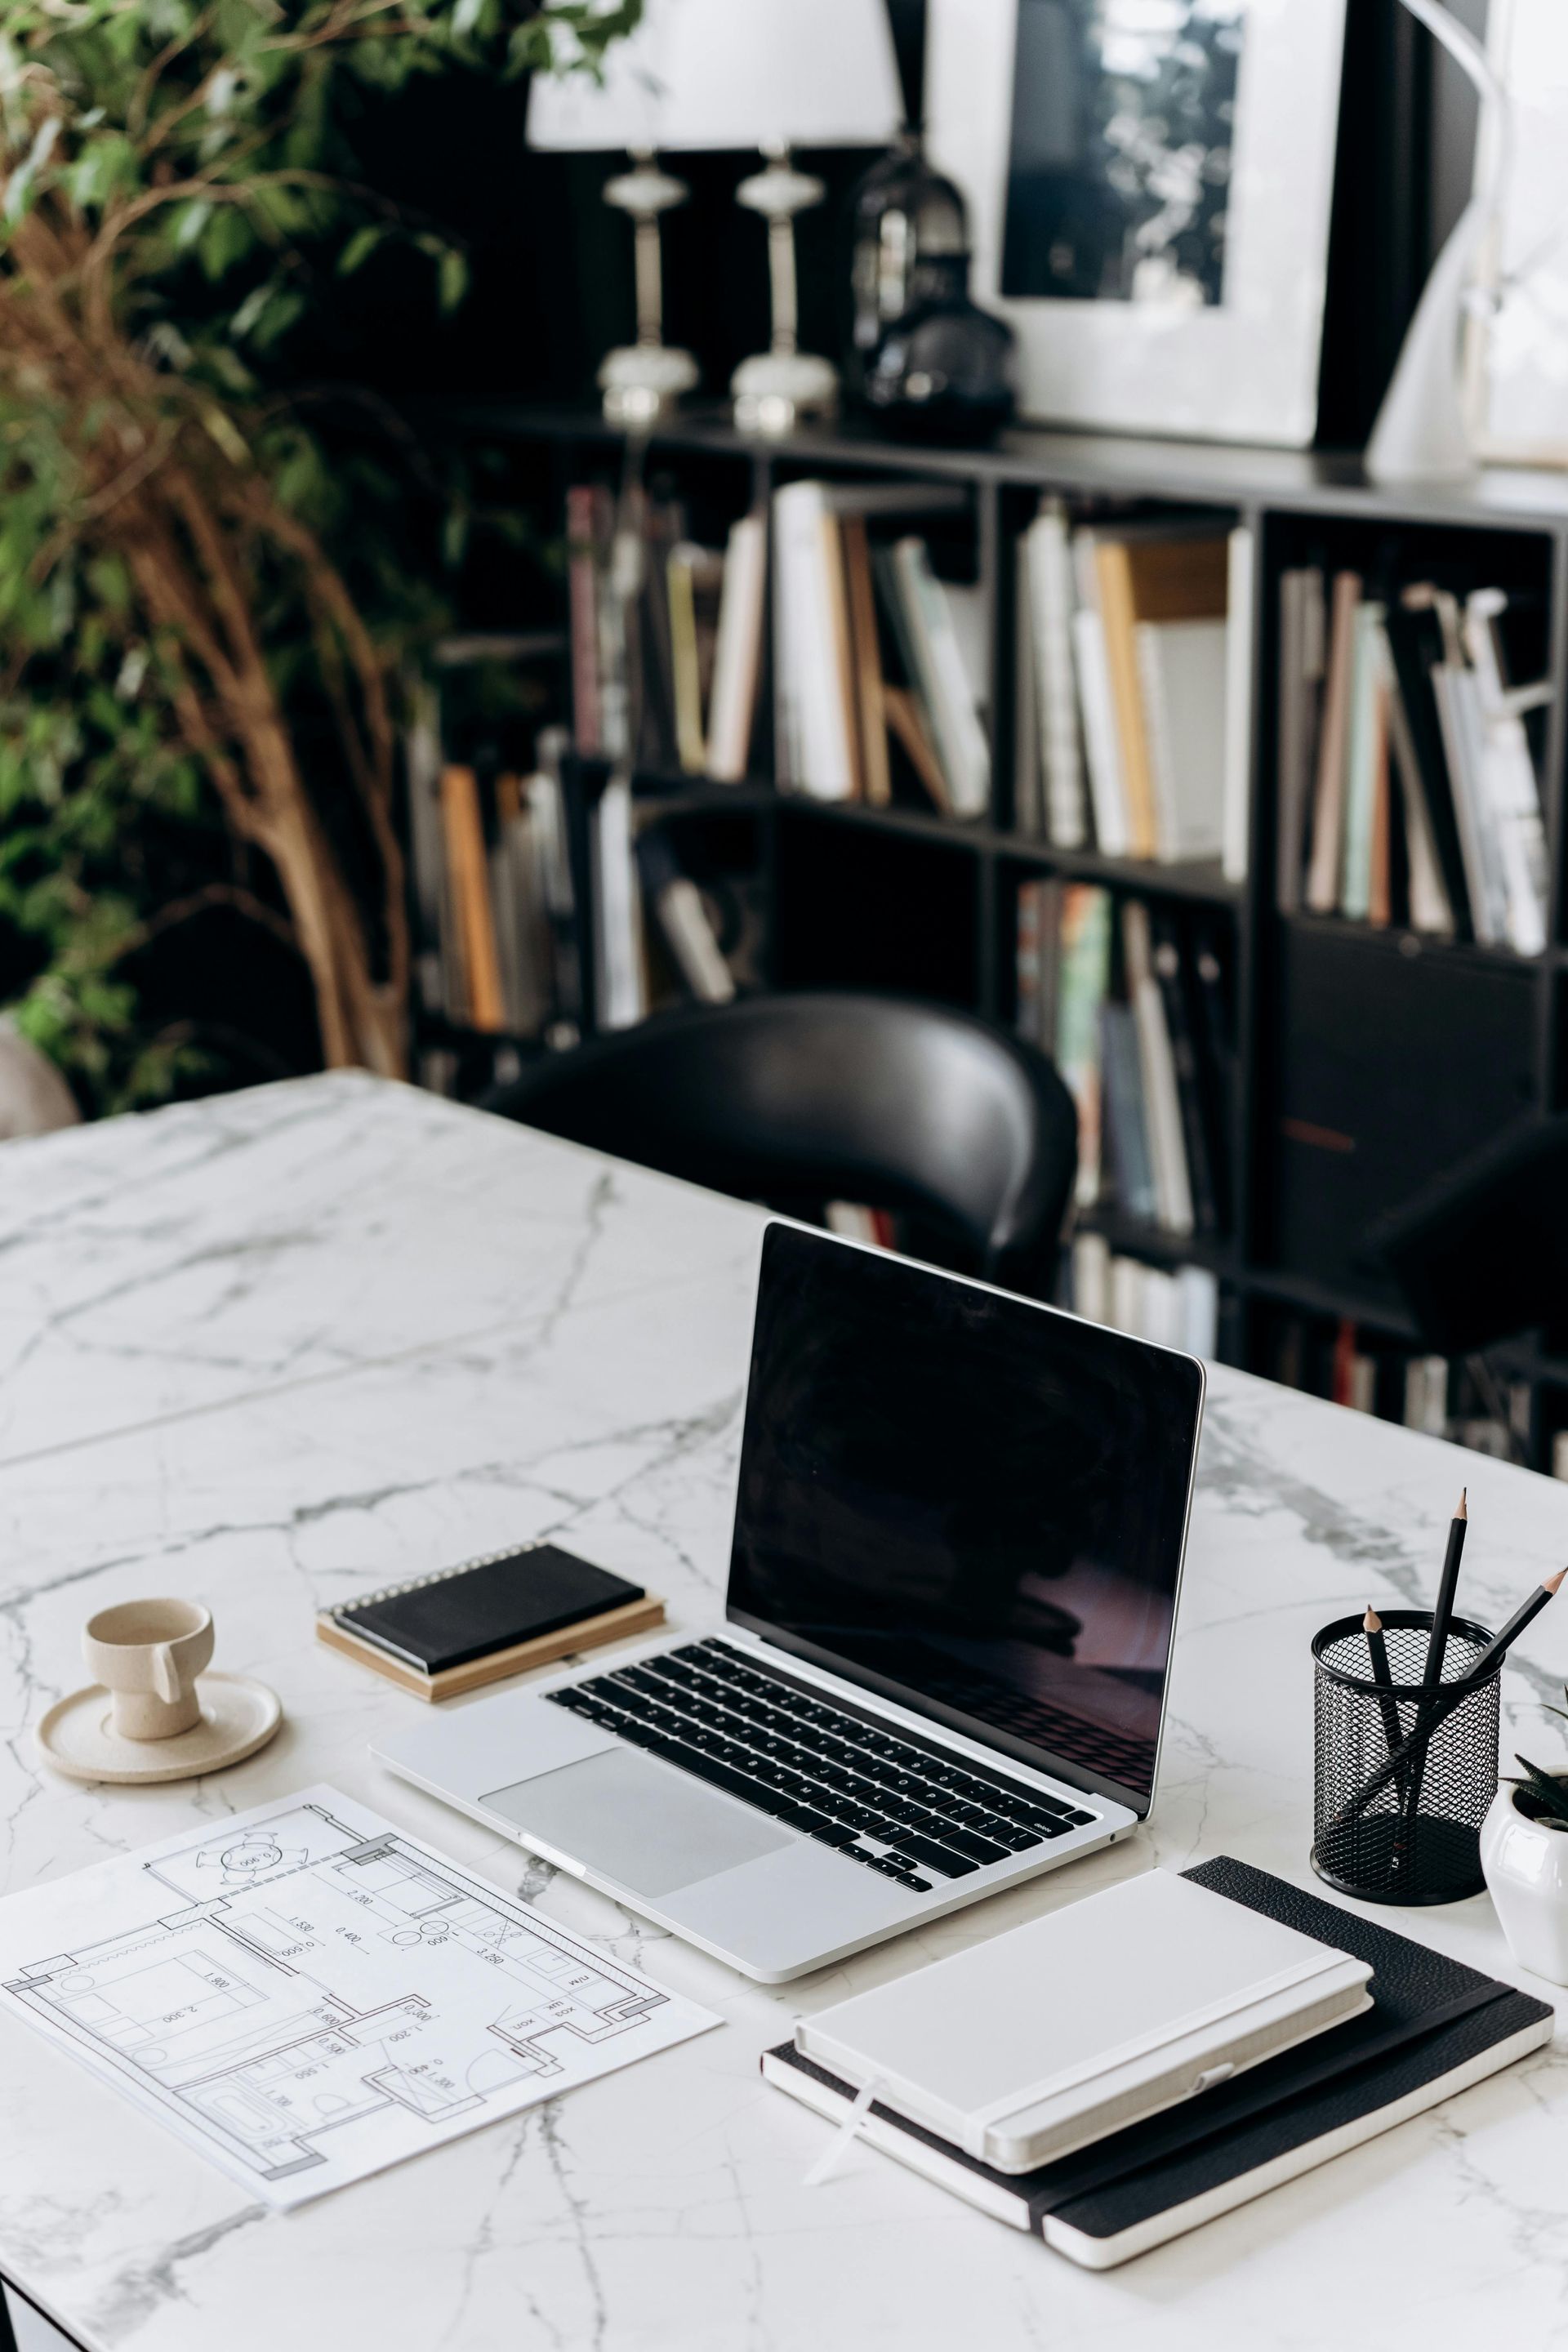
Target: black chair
{"x":797,"y":1100}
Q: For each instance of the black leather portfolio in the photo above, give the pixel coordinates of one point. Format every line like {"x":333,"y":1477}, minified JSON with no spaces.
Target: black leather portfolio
{"x":1434,"y":2027}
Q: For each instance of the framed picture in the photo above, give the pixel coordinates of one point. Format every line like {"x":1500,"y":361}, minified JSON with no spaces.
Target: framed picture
{"x":1150,"y":183}
{"x":1517,"y":346}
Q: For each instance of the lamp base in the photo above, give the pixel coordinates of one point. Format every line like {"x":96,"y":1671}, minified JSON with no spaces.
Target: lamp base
{"x":776,"y":390}
{"x":642,"y":383}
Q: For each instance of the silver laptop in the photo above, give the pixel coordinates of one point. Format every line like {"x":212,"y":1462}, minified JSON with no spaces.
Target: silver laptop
{"x":958,"y":1541}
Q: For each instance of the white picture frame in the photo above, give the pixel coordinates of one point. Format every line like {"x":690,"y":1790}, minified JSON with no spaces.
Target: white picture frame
{"x":1243,"y":369}
{"x":1517,"y":339}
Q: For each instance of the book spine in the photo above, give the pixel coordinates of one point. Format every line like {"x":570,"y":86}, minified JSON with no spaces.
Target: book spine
{"x":1114,"y":570}
{"x":1327,"y":821}
{"x":943,"y":680}
{"x":582,"y":587}
{"x":1051,"y":566}
{"x":1029,"y":795}
{"x":1157,"y":1061}
{"x":1085,"y":977}
{"x":867,"y":660}
{"x":1240,"y":649}
{"x":737,"y":655}
{"x":469,"y":875}
{"x":1103,"y":751}
{"x":1170,"y":972}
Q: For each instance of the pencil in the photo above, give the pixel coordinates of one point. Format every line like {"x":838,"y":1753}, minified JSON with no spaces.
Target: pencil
{"x":1452,"y":1694}
{"x":1437,"y":1643}
{"x":1443,"y":1614}
{"x":1377,"y":1650}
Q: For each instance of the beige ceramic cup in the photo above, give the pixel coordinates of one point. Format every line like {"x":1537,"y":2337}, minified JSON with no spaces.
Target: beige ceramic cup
{"x":148,"y":1654}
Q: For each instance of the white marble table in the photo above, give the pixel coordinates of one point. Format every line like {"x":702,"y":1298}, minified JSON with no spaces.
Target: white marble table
{"x":271,"y":1350}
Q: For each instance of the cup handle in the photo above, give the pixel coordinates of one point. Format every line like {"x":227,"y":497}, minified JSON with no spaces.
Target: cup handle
{"x":165,"y":1680}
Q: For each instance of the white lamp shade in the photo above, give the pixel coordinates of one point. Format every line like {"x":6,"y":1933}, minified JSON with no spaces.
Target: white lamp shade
{"x":731,"y":73}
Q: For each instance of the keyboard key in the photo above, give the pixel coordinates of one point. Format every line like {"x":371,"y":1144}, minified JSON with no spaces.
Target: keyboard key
{"x":931,"y":1856}
{"x":979,"y":1849}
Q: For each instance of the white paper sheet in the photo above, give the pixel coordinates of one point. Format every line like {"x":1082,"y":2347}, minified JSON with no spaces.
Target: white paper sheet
{"x":306,"y":1994}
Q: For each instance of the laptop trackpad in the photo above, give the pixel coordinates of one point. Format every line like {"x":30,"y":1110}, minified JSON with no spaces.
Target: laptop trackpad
{"x":648,"y":1827}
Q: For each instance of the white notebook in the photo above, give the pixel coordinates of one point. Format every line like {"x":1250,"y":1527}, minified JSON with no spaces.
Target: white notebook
{"x":1087,"y":2020}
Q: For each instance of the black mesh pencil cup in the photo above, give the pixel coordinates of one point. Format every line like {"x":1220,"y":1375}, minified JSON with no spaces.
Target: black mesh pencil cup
{"x":1416,"y":1840}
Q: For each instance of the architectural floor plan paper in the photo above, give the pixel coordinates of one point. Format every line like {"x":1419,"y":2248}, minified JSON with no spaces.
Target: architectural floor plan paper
{"x":307,"y":1995}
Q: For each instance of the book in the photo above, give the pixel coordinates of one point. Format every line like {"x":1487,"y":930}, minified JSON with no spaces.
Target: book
{"x":1048,"y":572}
{"x":967,"y":2048}
{"x":583,"y":532}
{"x":427,"y":857}
{"x":738,"y":650}
{"x":1126,"y":1128}
{"x":617,"y":911}
{"x":469,"y":882}
{"x":1028,"y":753}
{"x":1364,"y":747}
{"x":1434,"y":2027}
{"x":1090,"y":1276}
{"x":1322,"y":890}
{"x":1214,"y":1027}
{"x":906,"y":723}
{"x":1170,"y":967}
{"x":523,"y":955}
{"x":1083,"y":982}
{"x":1118,"y":616}
{"x":694,"y":577}
{"x":1183,"y":676}
{"x":1241,"y":568}
{"x":814,"y":718}
{"x":942,"y":679}
{"x":866,"y":662}
{"x":1511,"y":794}
{"x":1301,"y":662}
{"x":1103,"y":749}
{"x":1416,"y":648}
{"x":1157,"y":1063}
{"x":1429,"y":906}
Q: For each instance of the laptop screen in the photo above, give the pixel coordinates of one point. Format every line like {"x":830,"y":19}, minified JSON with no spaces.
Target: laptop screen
{"x":966,"y":1501}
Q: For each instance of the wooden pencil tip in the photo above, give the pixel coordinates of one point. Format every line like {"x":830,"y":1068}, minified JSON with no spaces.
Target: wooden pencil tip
{"x":1464,"y":1510}
{"x":1551,"y":1583}
{"x":1372,"y":1623}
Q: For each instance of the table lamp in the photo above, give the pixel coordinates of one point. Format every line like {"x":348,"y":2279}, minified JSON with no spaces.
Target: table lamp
{"x":719,"y":74}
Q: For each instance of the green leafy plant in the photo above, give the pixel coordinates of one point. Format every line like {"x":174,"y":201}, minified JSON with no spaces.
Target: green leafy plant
{"x":194,"y":626}
{"x":1546,"y":1793}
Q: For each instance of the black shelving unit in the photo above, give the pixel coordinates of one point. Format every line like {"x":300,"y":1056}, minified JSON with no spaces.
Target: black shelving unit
{"x":958,"y":880}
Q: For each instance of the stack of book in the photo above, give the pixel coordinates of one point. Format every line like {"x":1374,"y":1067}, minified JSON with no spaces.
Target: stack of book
{"x":667,"y":635}
{"x":492,"y":883}
{"x":878,"y":665}
{"x":1086,"y":2117}
{"x":1408,"y":792}
{"x":1176,"y":1306}
{"x":1133,"y":1004}
{"x":1134,"y":661}
{"x":1465,"y":1402}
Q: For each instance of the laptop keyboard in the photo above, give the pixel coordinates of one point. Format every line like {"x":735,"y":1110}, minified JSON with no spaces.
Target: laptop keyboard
{"x":915,"y":1814}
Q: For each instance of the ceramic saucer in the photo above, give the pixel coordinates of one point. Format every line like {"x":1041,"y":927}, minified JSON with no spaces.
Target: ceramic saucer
{"x":239,"y":1715}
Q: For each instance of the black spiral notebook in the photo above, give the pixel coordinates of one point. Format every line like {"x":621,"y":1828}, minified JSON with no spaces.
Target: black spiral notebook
{"x":1434,"y":2027}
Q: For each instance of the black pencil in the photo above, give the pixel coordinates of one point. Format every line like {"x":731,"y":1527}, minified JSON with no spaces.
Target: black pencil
{"x":1377,"y":1650}
{"x":1443,"y":1614}
{"x":1437,"y":1643}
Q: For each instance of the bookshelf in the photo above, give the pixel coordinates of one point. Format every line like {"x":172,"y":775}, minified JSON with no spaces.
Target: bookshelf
{"x":897,"y":897}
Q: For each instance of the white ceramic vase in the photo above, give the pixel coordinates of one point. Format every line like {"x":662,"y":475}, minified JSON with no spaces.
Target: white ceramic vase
{"x":1526,"y":1867}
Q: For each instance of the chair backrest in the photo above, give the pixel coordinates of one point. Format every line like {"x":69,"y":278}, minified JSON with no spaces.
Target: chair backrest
{"x":798,"y":1100}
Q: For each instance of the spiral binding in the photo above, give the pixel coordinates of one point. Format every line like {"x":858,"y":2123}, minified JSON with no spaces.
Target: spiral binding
{"x":439,"y":1576}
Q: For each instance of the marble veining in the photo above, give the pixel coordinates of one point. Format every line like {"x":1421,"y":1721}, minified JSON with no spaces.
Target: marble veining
{"x":271,"y":1350}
